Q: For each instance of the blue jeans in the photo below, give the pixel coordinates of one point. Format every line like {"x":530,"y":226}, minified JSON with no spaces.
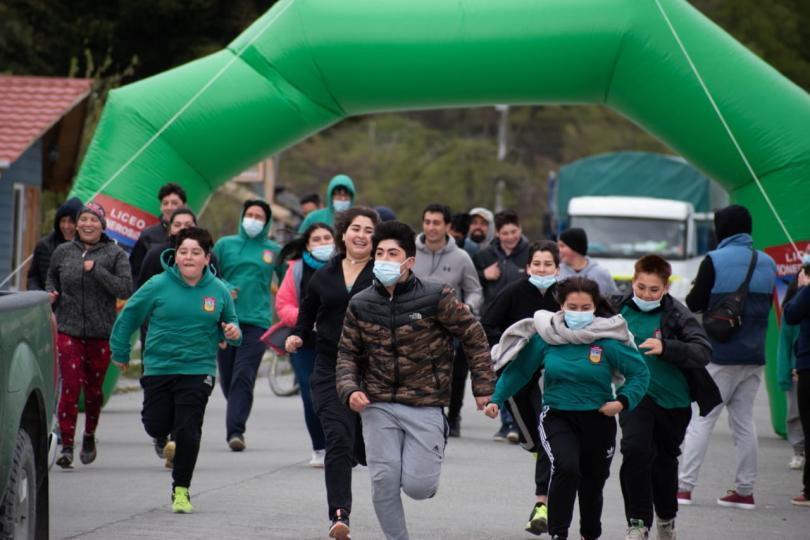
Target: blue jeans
{"x":238,"y":367}
{"x":303,"y":362}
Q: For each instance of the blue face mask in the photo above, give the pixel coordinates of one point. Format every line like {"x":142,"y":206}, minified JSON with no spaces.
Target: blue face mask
{"x":542,"y":282}
{"x":252,"y":226}
{"x":324,"y":252}
{"x":806,"y":258}
{"x":387,"y":272}
{"x":341,"y":206}
{"x":646,"y":305}
{"x":577,"y":320}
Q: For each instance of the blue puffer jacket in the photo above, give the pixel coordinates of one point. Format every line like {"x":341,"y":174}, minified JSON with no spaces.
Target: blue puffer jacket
{"x":731,"y":260}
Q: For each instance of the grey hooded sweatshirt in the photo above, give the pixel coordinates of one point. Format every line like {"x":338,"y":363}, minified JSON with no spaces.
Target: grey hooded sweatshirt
{"x":594,"y":272}
{"x":450,"y":265}
{"x":85,"y":307}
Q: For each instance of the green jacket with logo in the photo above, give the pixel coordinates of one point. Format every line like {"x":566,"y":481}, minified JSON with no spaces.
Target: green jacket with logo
{"x":327,"y":214}
{"x":248,"y":264}
{"x":185,"y":324}
{"x":577,"y":377}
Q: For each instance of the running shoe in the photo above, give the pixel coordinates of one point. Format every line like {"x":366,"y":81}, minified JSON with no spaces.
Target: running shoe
{"x":66,"y":458}
{"x":340,"y":526}
{"x":666,"y":529}
{"x":797,"y":461}
{"x":181,"y":501}
{"x":637,"y":530}
{"x":800,"y":500}
{"x":159,"y":444}
{"x":168,"y":454}
{"x":88,"y":453}
{"x":538,"y":519}
{"x":684,"y":498}
{"x":512,"y":434}
{"x":318,"y":457}
{"x":236,"y":443}
{"x":735,"y":500}
{"x":500,"y":435}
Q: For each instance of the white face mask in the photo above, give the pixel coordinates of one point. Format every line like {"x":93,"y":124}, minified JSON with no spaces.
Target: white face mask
{"x":341,"y":206}
{"x":252,"y":226}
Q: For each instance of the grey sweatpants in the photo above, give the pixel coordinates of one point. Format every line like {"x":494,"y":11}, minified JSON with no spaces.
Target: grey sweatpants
{"x":738,"y":387}
{"x":404,"y":450}
{"x":795,"y":434}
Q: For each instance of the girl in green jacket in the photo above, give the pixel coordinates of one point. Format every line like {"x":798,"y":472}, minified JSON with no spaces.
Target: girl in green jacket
{"x":580,"y":349}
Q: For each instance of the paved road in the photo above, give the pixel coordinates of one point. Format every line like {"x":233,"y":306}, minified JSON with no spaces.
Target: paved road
{"x":268,"y":491}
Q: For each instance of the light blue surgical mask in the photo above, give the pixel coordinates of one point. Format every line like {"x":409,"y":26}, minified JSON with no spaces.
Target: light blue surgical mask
{"x":646,"y":305}
{"x":324,"y":252}
{"x":387,"y":272}
{"x":577,"y":320}
{"x":252,"y":226}
{"x":806,"y":258}
{"x":341,"y":206}
{"x":542,"y":282}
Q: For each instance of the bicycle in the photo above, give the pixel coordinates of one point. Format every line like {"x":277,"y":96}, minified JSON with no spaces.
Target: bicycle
{"x":281,"y":375}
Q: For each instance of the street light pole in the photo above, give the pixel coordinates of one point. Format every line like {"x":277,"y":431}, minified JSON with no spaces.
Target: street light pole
{"x":503,"y":123}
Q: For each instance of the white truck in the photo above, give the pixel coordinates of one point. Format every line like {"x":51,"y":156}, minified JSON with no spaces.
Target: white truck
{"x":622,"y":229}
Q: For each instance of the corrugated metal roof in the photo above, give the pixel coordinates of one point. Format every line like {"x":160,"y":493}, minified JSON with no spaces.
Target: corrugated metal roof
{"x":29,"y":106}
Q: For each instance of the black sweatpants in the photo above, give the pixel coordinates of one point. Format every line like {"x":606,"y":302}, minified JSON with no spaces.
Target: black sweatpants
{"x":525,"y":407}
{"x":580,"y":446}
{"x":344,"y":436}
{"x":650,"y":445}
{"x":175,"y":404}
{"x":457,"y":383}
{"x":803,"y":397}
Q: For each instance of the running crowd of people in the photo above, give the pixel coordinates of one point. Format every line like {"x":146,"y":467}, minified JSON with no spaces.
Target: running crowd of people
{"x":383,"y":325}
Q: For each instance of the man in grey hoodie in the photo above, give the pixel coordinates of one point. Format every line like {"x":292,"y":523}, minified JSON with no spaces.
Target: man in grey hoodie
{"x":573,"y":244}
{"x":439,"y":258}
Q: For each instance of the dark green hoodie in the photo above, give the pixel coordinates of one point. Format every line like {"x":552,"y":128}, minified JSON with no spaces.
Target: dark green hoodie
{"x":248,"y":264}
{"x":184,"y":323}
{"x":327,"y":215}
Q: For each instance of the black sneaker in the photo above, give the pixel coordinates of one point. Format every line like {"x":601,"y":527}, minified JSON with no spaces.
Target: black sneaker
{"x":340,"y":526}
{"x":88,"y":453}
{"x":160,"y":444}
{"x":454,"y":426}
{"x":66,"y":458}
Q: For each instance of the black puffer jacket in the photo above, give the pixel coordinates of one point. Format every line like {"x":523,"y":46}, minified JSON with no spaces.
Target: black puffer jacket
{"x":86,"y":304}
{"x":151,"y":236}
{"x":38,"y":273}
{"x":687,"y":346}
{"x":400,"y":348}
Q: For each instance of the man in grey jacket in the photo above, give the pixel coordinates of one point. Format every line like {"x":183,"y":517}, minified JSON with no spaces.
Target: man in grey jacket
{"x":573,"y":244}
{"x":438,"y":258}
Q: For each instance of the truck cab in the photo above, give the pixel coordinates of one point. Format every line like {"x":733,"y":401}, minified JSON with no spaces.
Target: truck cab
{"x":622,"y":229}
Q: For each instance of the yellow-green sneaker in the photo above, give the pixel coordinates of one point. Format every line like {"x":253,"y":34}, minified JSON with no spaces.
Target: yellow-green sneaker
{"x":181,"y":503}
{"x":538,"y":519}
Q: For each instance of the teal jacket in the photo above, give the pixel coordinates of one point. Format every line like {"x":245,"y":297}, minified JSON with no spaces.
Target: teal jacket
{"x":577,"y":377}
{"x":185,"y":324}
{"x":786,"y":354}
{"x":248,"y":264}
{"x":327,"y":215}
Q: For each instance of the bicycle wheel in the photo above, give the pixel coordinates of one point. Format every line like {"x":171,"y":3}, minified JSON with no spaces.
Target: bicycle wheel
{"x":281,"y":375}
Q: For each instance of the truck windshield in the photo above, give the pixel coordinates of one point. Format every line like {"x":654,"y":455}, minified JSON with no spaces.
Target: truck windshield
{"x":623,"y":237}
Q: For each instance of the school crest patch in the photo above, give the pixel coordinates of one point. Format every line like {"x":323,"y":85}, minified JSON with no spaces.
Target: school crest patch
{"x":267,"y":256}
{"x":209,"y":304}
{"x":595,"y":354}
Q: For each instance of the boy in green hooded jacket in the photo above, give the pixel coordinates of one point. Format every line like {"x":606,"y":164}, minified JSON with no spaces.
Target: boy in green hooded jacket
{"x":340,"y":195}
{"x":190,"y":312}
{"x":247,"y":262}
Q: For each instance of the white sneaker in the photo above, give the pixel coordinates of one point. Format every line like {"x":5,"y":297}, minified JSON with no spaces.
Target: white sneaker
{"x":637,"y":531}
{"x":666,"y":529}
{"x":797,"y":462}
{"x":317,"y":459}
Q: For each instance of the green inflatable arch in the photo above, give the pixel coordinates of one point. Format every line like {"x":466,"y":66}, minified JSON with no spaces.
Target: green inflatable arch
{"x":307,"y":64}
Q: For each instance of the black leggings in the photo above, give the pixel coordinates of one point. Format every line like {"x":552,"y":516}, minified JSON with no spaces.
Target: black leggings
{"x":803,"y":397}
{"x":344,"y":436}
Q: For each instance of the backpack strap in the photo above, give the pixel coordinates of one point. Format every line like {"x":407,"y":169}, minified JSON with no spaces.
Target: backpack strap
{"x":743,"y":289}
{"x":298,"y":272}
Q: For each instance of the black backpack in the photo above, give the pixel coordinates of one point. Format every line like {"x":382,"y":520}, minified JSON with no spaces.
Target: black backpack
{"x":723,"y":319}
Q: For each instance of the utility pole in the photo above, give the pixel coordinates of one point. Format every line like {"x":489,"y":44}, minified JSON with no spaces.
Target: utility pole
{"x":503,"y":124}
